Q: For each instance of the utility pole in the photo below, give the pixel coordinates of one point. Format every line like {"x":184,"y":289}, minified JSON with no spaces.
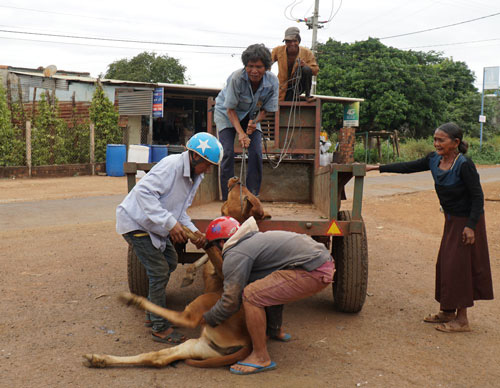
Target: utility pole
{"x":315,"y":40}
{"x":313,"y":23}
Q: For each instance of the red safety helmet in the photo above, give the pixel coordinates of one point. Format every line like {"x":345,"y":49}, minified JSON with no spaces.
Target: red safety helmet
{"x":221,"y":228}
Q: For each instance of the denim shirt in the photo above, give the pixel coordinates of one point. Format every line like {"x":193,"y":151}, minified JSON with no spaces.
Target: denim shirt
{"x":238,"y":95}
{"x":160,"y":200}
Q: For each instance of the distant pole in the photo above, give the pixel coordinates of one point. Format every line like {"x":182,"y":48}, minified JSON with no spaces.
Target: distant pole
{"x":150,"y":130}
{"x":482,"y":111}
{"x":92,"y":148}
{"x":314,"y":40}
{"x":28,"y":146}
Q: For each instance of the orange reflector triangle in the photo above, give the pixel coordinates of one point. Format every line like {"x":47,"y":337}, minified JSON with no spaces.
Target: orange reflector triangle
{"x":334,"y":229}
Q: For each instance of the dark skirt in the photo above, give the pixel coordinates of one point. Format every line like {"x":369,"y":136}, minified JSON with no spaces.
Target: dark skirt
{"x":463,"y":272}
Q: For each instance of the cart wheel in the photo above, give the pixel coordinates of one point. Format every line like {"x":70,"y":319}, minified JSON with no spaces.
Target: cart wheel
{"x":138,"y":282}
{"x":351,"y":261}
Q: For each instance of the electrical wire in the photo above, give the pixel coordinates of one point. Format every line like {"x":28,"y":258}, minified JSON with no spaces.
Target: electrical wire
{"x":64,"y":14}
{"x":118,"y":47}
{"x":440,"y":27}
{"x":291,"y":6}
{"x":451,"y":44}
{"x":120,"y":40}
{"x":336,"y":12}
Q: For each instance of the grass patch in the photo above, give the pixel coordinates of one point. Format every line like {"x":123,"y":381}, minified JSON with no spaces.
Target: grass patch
{"x":412,"y":149}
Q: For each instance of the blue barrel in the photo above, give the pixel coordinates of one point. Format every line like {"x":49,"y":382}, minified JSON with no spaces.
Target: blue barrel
{"x":116,"y":155}
{"x":158,"y":152}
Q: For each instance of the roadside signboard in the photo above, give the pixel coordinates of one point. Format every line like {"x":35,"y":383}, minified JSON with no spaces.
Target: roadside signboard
{"x":351,"y":115}
{"x":491,"y":77}
{"x":158,"y":102}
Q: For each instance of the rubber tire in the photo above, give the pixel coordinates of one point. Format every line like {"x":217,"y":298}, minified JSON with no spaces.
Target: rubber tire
{"x":351,"y":262}
{"x":138,"y":282}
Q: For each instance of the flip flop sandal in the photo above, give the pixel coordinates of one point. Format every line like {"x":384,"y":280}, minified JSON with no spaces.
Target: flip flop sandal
{"x":439,"y":318}
{"x":286,"y":337}
{"x":452,"y":329}
{"x":172,"y":338}
{"x":258,"y":368}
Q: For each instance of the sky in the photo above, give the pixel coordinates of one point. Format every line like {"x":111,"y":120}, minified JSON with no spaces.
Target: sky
{"x":187,"y":29}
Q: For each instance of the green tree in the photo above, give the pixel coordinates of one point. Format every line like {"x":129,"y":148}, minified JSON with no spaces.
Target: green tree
{"x":465,"y":111}
{"x":147,"y":67}
{"x":404,"y":90}
{"x":73,"y":143}
{"x":11,"y":145}
{"x":105,"y":118}
{"x":47,"y":133}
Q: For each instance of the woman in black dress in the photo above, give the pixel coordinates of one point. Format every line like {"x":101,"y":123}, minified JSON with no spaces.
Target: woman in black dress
{"x":463,"y":272}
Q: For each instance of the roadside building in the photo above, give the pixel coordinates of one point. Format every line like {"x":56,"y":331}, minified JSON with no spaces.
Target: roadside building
{"x":179,"y":110}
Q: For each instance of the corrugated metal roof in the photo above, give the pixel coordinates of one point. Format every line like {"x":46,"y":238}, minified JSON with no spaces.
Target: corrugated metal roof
{"x":337,"y":99}
{"x":179,"y":87}
{"x":172,"y":87}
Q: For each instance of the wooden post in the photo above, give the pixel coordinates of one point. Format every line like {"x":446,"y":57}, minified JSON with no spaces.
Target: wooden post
{"x":396,"y":140}
{"x":378,"y":149}
{"x":28,"y":147}
{"x":150,"y":131}
{"x":92,"y":147}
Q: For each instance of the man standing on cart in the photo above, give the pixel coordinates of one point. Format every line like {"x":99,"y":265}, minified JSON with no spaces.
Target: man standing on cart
{"x":249,"y":94}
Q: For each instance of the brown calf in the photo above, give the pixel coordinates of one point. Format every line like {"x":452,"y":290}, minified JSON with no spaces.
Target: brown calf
{"x":241,"y":204}
{"x":225,"y":344}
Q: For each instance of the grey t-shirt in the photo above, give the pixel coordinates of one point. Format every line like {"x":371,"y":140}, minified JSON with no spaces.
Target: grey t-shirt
{"x":255,"y":256}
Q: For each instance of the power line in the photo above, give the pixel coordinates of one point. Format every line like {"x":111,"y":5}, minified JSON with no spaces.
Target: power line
{"x":336,"y":12}
{"x":116,"y":47}
{"x":441,"y":27}
{"x":63,"y":13}
{"x":120,"y":40}
{"x":451,"y":44}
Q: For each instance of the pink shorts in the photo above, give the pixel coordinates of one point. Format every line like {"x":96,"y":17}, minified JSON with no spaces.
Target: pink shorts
{"x":288,"y":285}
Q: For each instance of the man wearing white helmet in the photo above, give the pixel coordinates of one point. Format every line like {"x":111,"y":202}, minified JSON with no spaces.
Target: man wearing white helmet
{"x":151,"y":217}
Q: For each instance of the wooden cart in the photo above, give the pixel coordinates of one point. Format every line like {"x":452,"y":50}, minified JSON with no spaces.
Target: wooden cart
{"x":301,"y":196}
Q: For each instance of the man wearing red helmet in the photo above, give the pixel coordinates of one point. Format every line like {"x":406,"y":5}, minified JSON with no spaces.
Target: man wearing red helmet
{"x":263,"y":269}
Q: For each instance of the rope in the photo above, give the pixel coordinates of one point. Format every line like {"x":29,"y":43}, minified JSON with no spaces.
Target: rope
{"x":243,"y":175}
{"x":289,"y":137}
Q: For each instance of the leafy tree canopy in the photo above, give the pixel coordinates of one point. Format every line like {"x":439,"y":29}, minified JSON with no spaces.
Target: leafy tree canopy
{"x":148,"y":67}
{"x":404,"y":90}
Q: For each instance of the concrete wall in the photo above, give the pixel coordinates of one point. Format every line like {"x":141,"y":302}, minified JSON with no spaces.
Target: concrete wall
{"x":134,"y":129}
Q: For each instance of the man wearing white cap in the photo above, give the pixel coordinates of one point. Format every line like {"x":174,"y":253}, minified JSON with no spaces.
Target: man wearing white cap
{"x":296,"y":66}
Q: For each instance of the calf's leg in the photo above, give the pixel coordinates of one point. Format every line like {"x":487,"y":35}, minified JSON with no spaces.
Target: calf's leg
{"x":197,"y":349}
{"x":190,"y":317}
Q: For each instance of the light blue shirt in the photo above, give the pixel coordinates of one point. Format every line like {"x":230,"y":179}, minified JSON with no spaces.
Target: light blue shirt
{"x":238,"y":95}
{"x":160,"y":200}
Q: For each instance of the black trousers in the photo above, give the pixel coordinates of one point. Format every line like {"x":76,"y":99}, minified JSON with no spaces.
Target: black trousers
{"x":274,"y":316}
{"x":302,"y":81}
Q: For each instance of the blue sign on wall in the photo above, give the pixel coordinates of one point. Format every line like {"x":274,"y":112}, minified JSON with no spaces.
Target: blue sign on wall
{"x":158,"y":102}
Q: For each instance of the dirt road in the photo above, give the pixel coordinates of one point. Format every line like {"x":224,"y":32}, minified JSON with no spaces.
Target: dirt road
{"x":62,"y":264}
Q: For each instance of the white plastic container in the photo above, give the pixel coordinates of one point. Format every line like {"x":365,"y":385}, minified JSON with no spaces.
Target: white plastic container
{"x":139,"y":154}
